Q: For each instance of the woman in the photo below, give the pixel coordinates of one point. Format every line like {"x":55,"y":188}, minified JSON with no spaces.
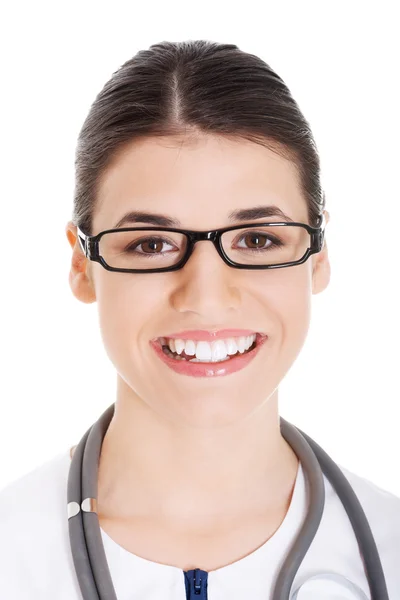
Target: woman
{"x":199,"y":494}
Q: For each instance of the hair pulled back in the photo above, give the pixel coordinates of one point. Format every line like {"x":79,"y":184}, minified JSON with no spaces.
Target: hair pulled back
{"x":185,"y":89}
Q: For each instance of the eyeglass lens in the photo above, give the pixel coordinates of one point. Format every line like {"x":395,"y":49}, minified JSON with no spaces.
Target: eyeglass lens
{"x":248,"y":246}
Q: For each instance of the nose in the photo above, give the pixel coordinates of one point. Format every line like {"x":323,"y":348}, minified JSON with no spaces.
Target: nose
{"x":206,"y":285}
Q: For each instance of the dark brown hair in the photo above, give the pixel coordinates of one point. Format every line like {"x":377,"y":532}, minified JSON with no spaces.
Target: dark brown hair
{"x":190,"y":87}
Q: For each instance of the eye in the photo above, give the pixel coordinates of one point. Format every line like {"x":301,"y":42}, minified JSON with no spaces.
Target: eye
{"x":150,"y":245}
{"x":257,"y":241}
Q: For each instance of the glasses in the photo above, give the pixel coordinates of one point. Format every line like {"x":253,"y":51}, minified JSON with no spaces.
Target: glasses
{"x":161,"y":249}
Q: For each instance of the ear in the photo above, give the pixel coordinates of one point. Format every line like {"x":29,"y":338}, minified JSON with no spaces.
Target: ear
{"x":321,"y":266}
{"x":80,"y":277}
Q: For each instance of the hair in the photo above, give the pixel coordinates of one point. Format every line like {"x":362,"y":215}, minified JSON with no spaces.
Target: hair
{"x":187,"y":89}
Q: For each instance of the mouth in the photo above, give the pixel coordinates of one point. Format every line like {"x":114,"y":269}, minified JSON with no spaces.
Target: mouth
{"x":218,"y":351}
{"x":202,"y":359}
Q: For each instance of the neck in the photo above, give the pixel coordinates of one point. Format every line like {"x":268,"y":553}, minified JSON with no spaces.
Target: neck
{"x":151,"y":467}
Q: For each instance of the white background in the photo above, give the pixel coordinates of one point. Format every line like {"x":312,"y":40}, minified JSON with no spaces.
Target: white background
{"x":340,"y":61}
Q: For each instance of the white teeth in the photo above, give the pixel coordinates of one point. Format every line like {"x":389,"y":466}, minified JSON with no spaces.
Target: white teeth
{"x":242,"y":344}
{"x":179,"y":346}
{"x":203,"y":351}
{"x":190,"y":348}
{"x":214,"y":351}
{"x":231,"y":346}
{"x":218,"y":350}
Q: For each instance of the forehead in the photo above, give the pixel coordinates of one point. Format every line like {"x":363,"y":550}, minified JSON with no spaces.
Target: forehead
{"x":198,"y":181}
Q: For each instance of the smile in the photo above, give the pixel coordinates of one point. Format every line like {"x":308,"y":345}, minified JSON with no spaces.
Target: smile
{"x":205,"y":359}
{"x":202,"y":351}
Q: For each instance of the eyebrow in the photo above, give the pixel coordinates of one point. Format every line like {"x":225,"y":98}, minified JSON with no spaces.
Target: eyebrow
{"x":240,"y":215}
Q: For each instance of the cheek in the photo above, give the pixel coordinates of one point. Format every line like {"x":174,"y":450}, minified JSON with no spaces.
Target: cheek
{"x":288,"y":301}
{"x":295,"y":317}
{"x":126,"y":310}
{"x":296,"y":321}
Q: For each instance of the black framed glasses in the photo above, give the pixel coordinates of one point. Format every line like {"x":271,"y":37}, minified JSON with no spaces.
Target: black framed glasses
{"x":160,"y":249}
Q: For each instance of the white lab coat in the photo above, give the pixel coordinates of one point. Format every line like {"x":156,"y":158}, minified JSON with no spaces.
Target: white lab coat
{"x":36,"y":561}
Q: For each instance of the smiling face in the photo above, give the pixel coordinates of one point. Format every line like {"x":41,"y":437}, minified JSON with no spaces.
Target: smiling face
{"x":199,"y":185}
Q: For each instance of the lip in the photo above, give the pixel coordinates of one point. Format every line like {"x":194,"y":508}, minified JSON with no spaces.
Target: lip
{"x":202,"y":335}
{"x":209,"y":369}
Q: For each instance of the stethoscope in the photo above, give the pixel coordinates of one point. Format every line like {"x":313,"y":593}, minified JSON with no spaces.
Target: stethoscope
{"x":87,"y":545}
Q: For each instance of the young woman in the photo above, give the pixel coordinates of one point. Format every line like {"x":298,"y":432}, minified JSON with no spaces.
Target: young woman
{"x":199,"y":494}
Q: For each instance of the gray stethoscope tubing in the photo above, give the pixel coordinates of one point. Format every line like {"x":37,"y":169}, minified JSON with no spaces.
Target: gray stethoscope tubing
{"x":85,"y":535}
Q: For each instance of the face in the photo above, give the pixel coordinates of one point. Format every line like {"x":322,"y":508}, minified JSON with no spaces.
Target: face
{"x":199,"y":184}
